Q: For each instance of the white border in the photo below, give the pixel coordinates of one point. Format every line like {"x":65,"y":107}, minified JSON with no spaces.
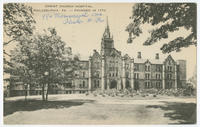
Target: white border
{"x":98,"y":1}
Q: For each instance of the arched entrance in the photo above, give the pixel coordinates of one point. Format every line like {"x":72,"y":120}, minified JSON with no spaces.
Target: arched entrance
{"x":113,"y":84}
{"x":127,"y":84}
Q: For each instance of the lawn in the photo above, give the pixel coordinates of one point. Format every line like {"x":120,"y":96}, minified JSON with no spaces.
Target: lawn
{"x":81,"y":109}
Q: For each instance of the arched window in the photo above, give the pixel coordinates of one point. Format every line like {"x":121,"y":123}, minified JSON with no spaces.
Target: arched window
{"x":148,"y":68}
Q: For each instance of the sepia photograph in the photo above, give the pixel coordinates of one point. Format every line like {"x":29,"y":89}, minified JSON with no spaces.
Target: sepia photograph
{"x":99,"y":63}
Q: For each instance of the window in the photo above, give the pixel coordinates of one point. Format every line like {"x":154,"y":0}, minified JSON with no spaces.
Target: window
{"x":98,"y":83}
{"x":169,"y":85}
{"x":97,"y":74}
{"x":158,"y":85}
{"x":136,"y":75}
{"x":136,"y":67}
{"x":83,"y":74}
{"x":147,"y":67}
{"x":169,"y":62}
{"x":169,"y":76}
{"x":158,"y":68}
{"x":83,"y":83}
{"x":127,"y":74}
{"x":158,"y":76}
{"x":95,"y":84}
{"x":169,"y":68}
{"x":68,"y":85}
{"x":147,"y":76}
{"x":148,"y":85}
{"x":127,"y":66}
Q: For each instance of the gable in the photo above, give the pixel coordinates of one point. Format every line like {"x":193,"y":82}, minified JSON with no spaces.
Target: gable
{"x":147,"y":62}
{"x":126,"y":57}
{"x":169,"y":60}
{"x":96,"y":55}
{"x":114,"y":53}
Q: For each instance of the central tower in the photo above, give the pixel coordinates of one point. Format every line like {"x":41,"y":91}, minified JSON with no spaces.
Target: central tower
{"x":107,"y":42}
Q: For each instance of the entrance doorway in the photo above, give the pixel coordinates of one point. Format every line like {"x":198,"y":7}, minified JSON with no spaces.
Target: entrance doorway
{"x":113,"y":84}
{"x":136,"y":85}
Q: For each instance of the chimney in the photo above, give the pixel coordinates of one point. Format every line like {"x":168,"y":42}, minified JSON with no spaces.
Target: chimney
{"x":139,"y":55}
{"x":94,"y":50}
{"x":157,"y":56}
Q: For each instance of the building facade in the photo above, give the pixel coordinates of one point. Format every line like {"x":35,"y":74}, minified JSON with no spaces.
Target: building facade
{"x":109,"y":69}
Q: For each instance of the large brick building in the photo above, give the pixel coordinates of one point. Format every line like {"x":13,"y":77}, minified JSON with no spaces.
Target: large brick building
{"x":109,"y":69}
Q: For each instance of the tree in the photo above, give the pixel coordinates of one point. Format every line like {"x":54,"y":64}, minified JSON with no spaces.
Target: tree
{"x":171,"y":17}
{"x":42,"y":57}
{"x":17,"y":21}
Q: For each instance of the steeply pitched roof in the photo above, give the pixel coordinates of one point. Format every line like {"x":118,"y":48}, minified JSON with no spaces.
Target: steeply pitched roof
{"x":152,"y":61}
{"x":115,"y":52}
{"x":126,"y":56}
{"x":106,"y":33}
{"x":96,"y":54}
{"x":156,"y":61}
{"x":169,"y":57}
{"x":84,"y":64}
{"x":136,"y":60}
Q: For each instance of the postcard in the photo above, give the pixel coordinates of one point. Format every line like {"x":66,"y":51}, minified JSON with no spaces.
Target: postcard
{"x":99,"y":63}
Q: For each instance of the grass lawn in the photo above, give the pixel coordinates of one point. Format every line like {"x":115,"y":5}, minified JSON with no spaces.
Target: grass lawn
{"x":81,"y":109}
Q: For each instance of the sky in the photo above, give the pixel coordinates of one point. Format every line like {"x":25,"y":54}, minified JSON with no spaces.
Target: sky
{"x":86,"y":36}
